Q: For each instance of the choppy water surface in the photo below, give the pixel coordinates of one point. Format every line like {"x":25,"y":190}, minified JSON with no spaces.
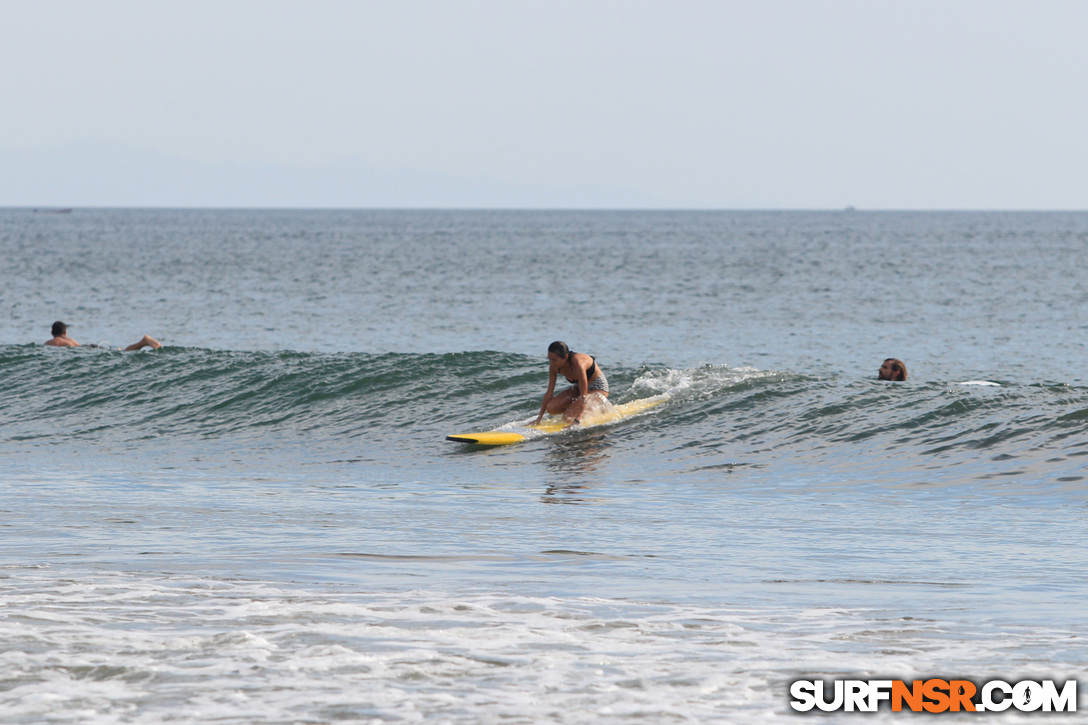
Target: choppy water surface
{"x":262,"y":522}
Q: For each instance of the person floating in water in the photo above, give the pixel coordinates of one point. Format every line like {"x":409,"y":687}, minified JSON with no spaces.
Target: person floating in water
{"x":586,"y":377}
{"x":892,"y":369}
{"x":61,"y":339}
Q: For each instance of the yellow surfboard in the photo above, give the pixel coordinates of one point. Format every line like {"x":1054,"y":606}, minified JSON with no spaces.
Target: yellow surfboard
{"x":552,"y":425}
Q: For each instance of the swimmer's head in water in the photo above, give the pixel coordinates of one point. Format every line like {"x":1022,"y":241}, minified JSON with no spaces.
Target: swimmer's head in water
{"x":892,"y":369}
{"x":59,"y":329}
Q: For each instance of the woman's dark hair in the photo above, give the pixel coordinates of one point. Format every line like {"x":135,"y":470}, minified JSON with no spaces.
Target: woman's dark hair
{"x":560,"y":349}
{"x":59,"y":329}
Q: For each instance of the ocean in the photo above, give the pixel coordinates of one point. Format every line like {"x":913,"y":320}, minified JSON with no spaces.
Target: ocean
{"x":263,"y":522}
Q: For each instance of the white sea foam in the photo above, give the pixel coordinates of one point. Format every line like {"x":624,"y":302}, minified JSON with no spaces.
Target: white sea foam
{"x":704,"y":379}
{"x":114,"y":648}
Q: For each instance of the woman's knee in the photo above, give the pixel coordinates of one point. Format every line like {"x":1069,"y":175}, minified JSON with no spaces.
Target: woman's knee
{"x":558,"y":404}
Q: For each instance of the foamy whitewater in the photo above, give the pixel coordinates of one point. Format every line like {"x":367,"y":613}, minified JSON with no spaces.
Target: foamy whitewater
{"x":262,"y":522}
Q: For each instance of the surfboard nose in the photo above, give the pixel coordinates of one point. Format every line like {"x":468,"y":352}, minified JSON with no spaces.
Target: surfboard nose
{"x":490,"y":438}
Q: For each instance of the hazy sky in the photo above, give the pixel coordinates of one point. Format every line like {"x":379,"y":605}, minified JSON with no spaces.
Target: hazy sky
{"x":976,"y":104}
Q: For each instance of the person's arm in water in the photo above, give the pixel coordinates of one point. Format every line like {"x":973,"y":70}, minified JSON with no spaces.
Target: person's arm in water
{"x":146,"y":341}
{"x":548,"y":395}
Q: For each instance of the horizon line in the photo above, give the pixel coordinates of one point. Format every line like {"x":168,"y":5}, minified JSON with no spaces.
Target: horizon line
{"x":64,"y":208}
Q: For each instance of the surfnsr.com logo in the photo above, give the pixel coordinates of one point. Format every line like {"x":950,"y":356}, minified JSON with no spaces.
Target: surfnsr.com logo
{"x":933,"y":695}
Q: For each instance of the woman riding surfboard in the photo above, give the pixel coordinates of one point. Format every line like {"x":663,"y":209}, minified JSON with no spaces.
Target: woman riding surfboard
{"x":582,"y":372}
